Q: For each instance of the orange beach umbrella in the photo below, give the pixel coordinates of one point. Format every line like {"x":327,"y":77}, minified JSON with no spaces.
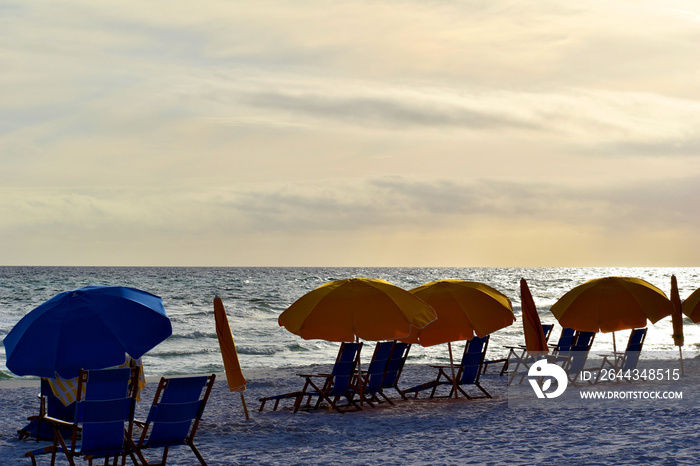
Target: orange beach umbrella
{"x":234,"y":375}
{"x":367,"y":308}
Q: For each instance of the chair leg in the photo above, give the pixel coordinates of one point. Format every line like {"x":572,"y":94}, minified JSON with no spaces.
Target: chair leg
{"x":196,"y":452}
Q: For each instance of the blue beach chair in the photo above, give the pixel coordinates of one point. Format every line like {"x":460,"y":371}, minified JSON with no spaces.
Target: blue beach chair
{"x":103,"y":418}
{"x":516,"y":353}
{"x":566,"y":340}
{"x":345,"y":363}
{"x":373,"y":378}
{"x":628,"y":360}
{"x":51,"y":406}
{"x":395,"y":367}
{"x":469,"y":371}
{"x":174,"y":415}
{"x":575,"y":359}
{"x":338,"y":384}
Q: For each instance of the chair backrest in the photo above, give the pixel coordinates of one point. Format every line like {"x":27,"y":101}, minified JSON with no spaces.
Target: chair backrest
{"x":566,"y":340}
{"x":396,"y":363}
{"x":54,"y":406}
{"x":634,"y":347}
{"x":547,"y":329}
{"x":345,"y":367}
{"x":105,"y":410}
{"x":473,"y":358}
{"x":177,"y":407}
{"x":378,"y":366}
{"x":579,"y":351}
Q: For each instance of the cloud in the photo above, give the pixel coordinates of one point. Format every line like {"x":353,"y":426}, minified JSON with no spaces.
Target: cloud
{"x":204,"y":125}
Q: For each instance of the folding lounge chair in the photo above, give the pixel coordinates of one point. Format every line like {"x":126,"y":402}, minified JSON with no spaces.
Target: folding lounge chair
{"x":574,"y":361}
{"x":348,"y":352}
{"x":395,"y":367}
{"x":103,"y":416}
{"x":174,"y":415}
{"x":562,"y":347}
{"x":468,"y":372}
{"x":516,"y":352}
{"x":627,"y":360}
{"x":373,"y":378}
{"x":49,"y":405}
{"x":338,"y":384}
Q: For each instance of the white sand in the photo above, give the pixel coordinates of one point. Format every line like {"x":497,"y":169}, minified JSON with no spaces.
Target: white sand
{"x":423,"y":431}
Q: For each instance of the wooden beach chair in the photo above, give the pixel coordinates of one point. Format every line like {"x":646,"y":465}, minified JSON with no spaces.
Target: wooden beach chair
{"x":336,"y":385}
{"x":468,"y":372}
{"x":626,"y":361}
{"x":103,"y":418}
{"x":49,"y":405}
{"x":574,"y":361}
{"x":516,"y":353}
{"x":348,"y":353}
{"x":395,"y":367}
{"x":372,"y":379}
{"x":174,"y":415}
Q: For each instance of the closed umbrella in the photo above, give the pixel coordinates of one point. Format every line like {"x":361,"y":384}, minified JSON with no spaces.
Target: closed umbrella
{"x":86,"y":328}
{"x":535,"y":340}
{"x":234,"y":374}
{"x":677,"y":318}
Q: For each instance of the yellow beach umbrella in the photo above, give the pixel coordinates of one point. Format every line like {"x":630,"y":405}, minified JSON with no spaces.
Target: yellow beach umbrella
{"x":234,"y":375}
{"x":463,"y":308}
{"x":691,"y":306}
{"x":367,"y":308}
{"x":610,"y":304}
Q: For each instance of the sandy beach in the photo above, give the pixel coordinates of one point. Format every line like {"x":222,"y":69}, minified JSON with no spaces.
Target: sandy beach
{"x":422,"y":431}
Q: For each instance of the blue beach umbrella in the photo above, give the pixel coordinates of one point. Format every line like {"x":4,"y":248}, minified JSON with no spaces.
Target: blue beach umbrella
{"x":87,"y":328}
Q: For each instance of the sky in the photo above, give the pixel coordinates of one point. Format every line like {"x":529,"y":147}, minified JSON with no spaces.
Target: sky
{"x":350,"y":133}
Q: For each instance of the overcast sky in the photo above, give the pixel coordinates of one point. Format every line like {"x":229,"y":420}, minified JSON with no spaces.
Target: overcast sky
{"x":342,"y":133}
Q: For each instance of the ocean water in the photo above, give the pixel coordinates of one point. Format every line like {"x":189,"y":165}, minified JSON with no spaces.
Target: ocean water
{"x":254,"y":297}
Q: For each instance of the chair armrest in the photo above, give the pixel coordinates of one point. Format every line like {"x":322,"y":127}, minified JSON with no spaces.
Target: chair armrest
{"x":315,"y":375}
{"x":56,"y":421}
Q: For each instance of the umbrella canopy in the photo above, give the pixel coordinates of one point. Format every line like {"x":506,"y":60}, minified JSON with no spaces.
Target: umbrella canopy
{"x":610,"y":304}
{"x":87,"y":328}
{"x":365,"y":308}
{"x":691,"y":306}
{"x":463,"y":308}
{"x":535,"y":339}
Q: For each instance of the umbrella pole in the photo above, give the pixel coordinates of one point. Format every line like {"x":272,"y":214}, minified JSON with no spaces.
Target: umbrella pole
{"x":680,"y":351}
{"x":614,"y":344}
{"x":245,"y":408}
{"x":359,"y":376}
{"x":452,"y":366}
